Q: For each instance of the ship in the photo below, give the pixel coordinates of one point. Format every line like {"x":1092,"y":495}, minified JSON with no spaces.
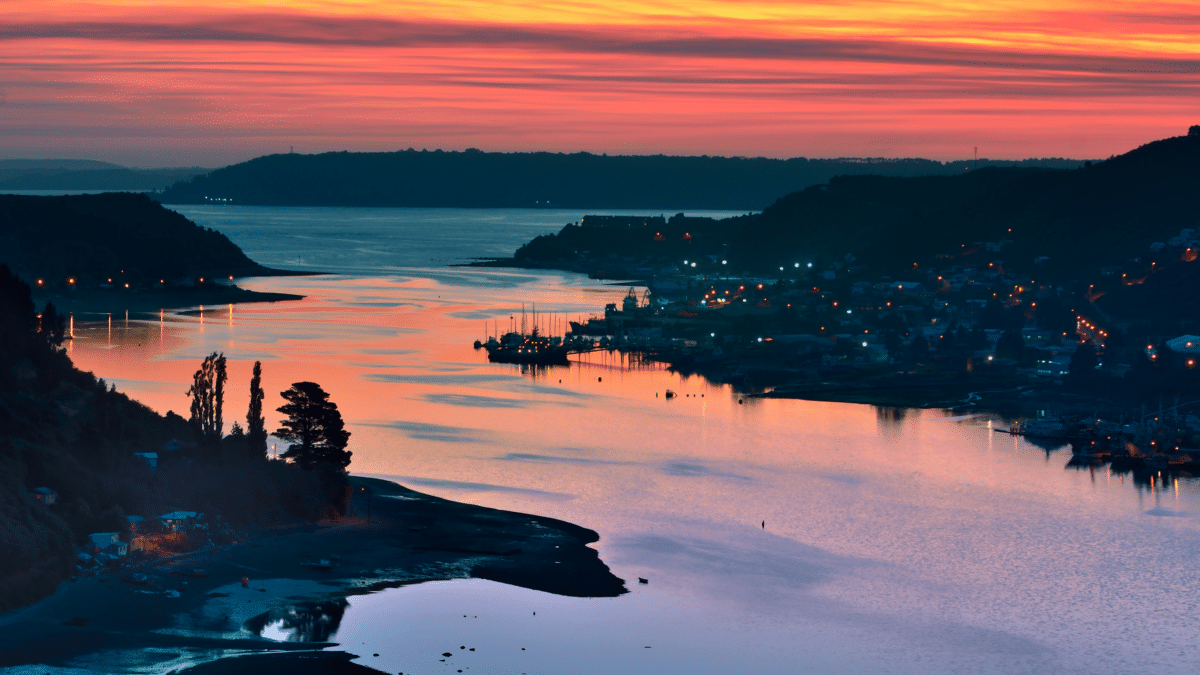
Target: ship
{"x":533,"y":348}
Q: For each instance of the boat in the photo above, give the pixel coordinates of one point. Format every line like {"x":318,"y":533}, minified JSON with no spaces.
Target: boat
{"x":1041,"y":429}
{"x":532,"y":348}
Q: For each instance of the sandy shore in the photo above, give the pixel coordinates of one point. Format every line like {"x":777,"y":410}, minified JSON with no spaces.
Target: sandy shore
{"x":106,"y":623}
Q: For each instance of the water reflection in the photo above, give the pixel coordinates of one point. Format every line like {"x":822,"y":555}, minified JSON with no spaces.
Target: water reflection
{"x":967,"y":547}
{"x":302,"y":622}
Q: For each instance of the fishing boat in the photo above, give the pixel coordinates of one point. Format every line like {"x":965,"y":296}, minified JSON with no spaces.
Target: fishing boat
{"x":533,"y":348}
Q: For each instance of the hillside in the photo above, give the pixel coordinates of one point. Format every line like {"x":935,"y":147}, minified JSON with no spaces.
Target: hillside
{"x":1071,"y":221}
{"x":529,"y":180}
{"x":91,"y":238}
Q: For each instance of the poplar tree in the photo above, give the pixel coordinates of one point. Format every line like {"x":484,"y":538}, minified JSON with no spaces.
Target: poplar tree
{"x":208,"y":398}
{"x":256,"y":424}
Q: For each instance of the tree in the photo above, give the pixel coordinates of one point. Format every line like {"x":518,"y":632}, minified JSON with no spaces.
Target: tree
{"x":919,"y":348}
{"x":208,"y":399}
{"x":1011,"y":345}
{"x":256,"y":424}
{"x":313,"y":427}
{"x":54,"y":325}
{"x":1083,"y":363}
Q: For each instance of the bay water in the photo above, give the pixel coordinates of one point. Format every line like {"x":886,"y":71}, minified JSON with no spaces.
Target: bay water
{"x":777,"y":536}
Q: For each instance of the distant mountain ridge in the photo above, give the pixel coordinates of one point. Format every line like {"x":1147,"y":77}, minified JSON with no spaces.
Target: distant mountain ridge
{"x":86,"y":174}
{"x":477,"y":179}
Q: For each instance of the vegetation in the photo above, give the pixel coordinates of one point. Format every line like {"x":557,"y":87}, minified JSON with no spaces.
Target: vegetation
{"x":208,"y":399}
{"x":66,"y":430}
{"x":314,"y":427}
{"x":531,"y":180}
{"x":80,"y":240}
{"x":256,"y":424}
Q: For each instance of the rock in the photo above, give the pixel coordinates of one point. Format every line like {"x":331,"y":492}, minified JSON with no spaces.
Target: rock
{"x":643,"y":581}
{"x":447,"y":654}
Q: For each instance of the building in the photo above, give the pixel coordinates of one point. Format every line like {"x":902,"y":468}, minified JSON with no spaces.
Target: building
{"x":1056,"y":365}
{"x":136,"y":523}
{"x":109,"y":542}
{"x":45,"y":495}
{"x":1185,"y":344}
{"x":177,"y":519}
{"x":151,"y":458}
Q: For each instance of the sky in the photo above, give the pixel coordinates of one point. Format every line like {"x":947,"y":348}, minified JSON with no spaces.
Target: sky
{"x":153,"y":83}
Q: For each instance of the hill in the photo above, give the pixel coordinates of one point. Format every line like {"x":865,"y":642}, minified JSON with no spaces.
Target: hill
{"x":91,"y":238}
{"x":528,"y":180}
{"x":1064,"y":223}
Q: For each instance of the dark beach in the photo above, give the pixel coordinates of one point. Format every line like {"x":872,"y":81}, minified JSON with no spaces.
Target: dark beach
{"x":411,"y":537}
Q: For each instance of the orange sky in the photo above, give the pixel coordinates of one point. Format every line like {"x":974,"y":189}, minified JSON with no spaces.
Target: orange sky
{"x":159,"y":83}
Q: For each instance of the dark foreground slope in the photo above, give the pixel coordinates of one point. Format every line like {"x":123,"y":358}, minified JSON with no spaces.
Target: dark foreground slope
{"x":530,"y":180}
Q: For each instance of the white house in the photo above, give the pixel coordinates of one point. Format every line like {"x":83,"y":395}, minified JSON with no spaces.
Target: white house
{"x":135,"y":522}
{"x":109,"y":542}
{"x":45,"y":495}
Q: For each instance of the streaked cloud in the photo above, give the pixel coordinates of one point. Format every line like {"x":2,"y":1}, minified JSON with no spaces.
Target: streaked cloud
{"x":187,"y":84}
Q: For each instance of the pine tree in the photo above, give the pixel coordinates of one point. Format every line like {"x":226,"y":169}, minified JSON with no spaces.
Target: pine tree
{"x":313,"y":426}
{"x":256,"y":424}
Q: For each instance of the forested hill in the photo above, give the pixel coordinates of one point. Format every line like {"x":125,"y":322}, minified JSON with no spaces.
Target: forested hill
{"x":1080,"y":219}
{"x":530,"y":180}
{"x":94,"y":237}
{"x":1061,"y":224}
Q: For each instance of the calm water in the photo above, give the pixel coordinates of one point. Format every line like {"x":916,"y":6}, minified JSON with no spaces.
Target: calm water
{"x":895,"y":541}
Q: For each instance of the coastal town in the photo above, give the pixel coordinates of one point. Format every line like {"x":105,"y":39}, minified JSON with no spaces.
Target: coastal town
{"x":961,"y":330}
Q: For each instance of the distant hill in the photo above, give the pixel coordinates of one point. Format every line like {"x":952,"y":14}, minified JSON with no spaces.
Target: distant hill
{"x":93,"y":237}
{"x":488,"y":179}
{"x":86,"y":174}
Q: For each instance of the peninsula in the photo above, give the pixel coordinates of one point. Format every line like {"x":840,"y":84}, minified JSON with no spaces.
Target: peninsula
{"x":113,"y":252}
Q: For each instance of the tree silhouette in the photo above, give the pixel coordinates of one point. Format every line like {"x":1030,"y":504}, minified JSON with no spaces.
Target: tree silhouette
{"x":313,"y":427}
{"x":208,"y":399}
{"x":256,"y":424}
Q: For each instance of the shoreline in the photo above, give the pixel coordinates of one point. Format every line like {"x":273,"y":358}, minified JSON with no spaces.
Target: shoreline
{"x":116,"y":302}
{"x":411,"y":538}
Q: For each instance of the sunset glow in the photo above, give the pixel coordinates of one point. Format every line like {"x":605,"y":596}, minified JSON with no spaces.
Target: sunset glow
{"x":152,"y":83}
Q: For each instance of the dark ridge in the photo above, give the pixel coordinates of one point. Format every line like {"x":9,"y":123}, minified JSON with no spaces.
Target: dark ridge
{"x":530,"y":180}
{"x":92,"y":237}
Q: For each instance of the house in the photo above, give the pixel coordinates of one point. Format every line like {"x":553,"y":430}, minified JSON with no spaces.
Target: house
{"x":177,"y":519}
{"x":150,"y":458}
{"x":109,"y":542}
{"x":45,"y":495}
{"x":1054,"y":366}
{"x":139,"y":544}
{"x":135,"y":523}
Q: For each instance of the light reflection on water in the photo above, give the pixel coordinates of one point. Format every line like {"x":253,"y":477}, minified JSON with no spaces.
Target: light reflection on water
{"x":902,"y":540}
